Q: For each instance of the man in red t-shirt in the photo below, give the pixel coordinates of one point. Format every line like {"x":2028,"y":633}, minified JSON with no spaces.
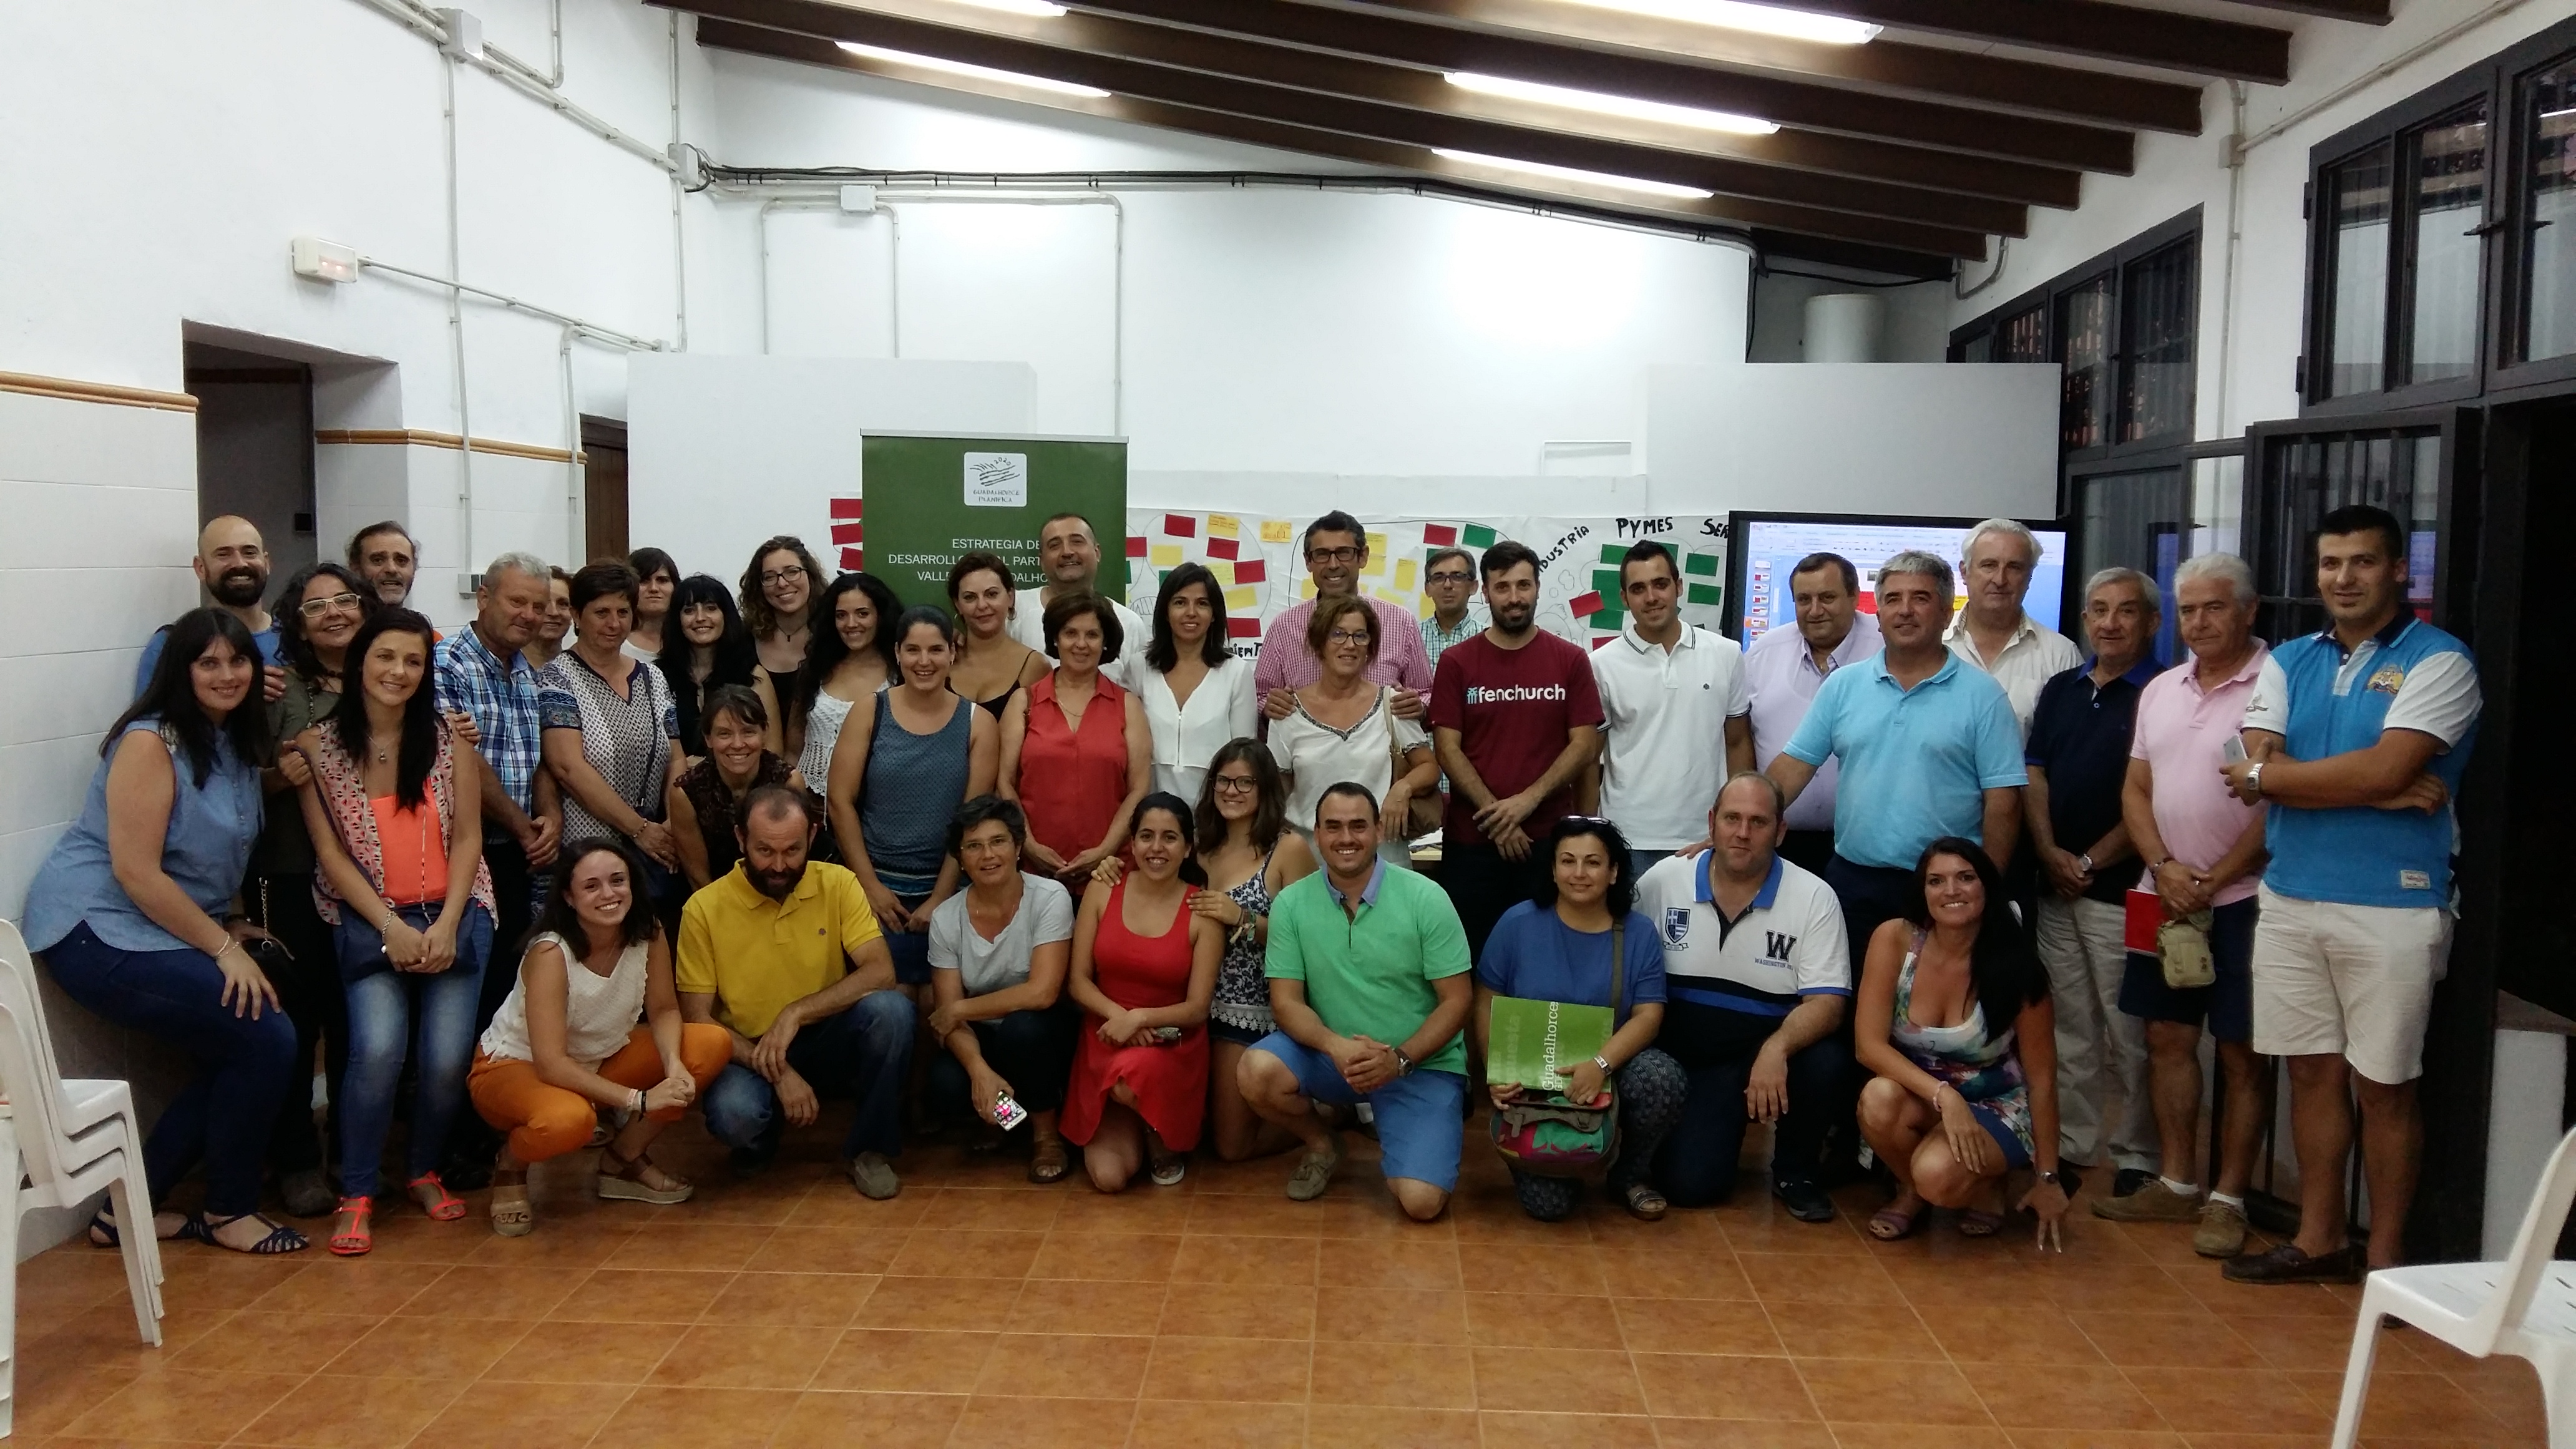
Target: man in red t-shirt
{"x":1515,"y":719}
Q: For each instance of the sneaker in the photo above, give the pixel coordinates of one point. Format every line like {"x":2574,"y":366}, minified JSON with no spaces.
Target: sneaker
{"x":2153,"y":1203}
{"x":2286,"y":1264}
{"x":2130,"y":1181}
{"x":1315,"y":1171}
{"x":2222,"y":1231}
{"x":1805,"y":1201}
{"x":874,"y":1177}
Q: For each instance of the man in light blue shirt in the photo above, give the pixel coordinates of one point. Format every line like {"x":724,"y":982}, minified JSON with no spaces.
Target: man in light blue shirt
{"x":232,"y":562}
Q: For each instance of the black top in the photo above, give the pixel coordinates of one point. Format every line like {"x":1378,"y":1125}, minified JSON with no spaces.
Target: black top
{"x":2080,"y":736}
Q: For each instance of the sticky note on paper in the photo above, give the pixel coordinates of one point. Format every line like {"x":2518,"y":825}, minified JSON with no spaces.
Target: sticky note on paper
{"x":1166,"y":555}
{"x":1479,"y":536}
{"x":1438,"y":535}
{"x":1376,"y":567}
{"x":1276,"y":530}
{"x":1238,"y":599}
{"x":1376,"y":544}
{"x":851,"y":558}
{"x":1222,"y":547}
{"x":1605,"y":581}
{"x":1305,"y":588}
{"x":845,"y":507}
{"x":1224,"y":525}
{"x":1242,"y":626}
{"x":1612,"y":553}
{"x":1405,"y":570}
{"x":1251,"y":570}
{"x":1706,"y":594}
{"x":1136,"y":545}
{"x":1180,"y":525}
{"x":1702,"y":564}
{"x":849,"y":533}
{"x":1585,"y":605}
{"x":1224,"y":571}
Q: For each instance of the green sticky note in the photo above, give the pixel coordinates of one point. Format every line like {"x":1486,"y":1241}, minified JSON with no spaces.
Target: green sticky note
{"x":1479,"y":536}
{"x":1606,"y":581}
{"x":1702,"y":564}
{"x":1613,"y":553}
{"x":1706,"y":594}
{"x":1609,"y":618}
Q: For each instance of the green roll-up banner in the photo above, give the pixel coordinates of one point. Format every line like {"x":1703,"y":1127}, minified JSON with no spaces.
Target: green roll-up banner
{"x":932,"y":496}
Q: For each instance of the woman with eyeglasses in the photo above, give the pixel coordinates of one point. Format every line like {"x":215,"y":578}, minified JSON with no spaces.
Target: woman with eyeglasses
{"x":778,"y":608}
{"x":990,"y":666}
{"x":1250,"y":856}
{"x":1196,"y":694}
{"x":318,"y":612}
{"x":708,"y":650}
{"x":1342,"y":727}
{"x":657,"y":578}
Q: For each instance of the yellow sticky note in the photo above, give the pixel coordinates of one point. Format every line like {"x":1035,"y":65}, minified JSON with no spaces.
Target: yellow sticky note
{"x":1305,"y":588}
{"x":1223,"y":569}
{"x":1377,"y":544}
{"x":1224,"y":525}
{"x":1404,"y":571}
{"x":1166,"y":555}
{"x":1239,"y":598}
{"x":1376,"y":566}
{"x":1276,"y":530}
{"x":1422,"y":608}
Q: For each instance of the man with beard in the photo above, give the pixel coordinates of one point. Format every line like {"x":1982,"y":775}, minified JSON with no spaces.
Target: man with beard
{"x":1070,"y":556}
{"x":1516,"y":720}
{"x":1337,"y":553}
{"x":232,"y":563}
{"x":785,"y":954}
{"x":386,"y":557}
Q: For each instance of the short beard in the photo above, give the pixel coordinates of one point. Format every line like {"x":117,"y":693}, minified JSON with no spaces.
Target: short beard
{"x":1509,"y":625}
{"x":239,"y":589}
{"x":778,"y":885}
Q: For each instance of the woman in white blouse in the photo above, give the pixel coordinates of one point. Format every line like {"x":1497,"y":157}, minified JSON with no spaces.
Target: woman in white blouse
{"x":1345,"y":728}
{"x":1196,"y":694}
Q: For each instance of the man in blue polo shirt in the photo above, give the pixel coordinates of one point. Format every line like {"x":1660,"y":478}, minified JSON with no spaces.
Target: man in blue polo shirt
{"x":2356,"y":739}
{"x":1928,"y":747}
{"x":1757,"y":986}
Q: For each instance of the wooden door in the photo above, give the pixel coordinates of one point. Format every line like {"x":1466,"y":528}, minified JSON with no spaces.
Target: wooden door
{"x":603,"y":441}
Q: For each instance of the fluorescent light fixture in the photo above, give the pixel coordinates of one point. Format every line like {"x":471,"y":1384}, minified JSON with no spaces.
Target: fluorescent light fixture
{"x":1741,"y":15}
{"x":1038,"y":8}
{"x":974,"y":72}
{"x":2561,"y":111}
{"x":1606,"y":104}
{"x":1575,"y":173}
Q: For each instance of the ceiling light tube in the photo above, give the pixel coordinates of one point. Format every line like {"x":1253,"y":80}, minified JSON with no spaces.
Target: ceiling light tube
{"x":1038,"y":8}
{"x":1603,"y":103}
{"x":1575,"y":173}
{"x":975,"y":72}
{"x":1741,"y":15}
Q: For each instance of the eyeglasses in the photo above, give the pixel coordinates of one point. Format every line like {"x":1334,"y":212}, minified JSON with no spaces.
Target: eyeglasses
{"x":786,"y":575}
{"x":1452,"y":576}
{"x":1344,"y":554}
{"x":316,"y":608}
{"x":1347,"y":636}
{"x":1236,"y":784}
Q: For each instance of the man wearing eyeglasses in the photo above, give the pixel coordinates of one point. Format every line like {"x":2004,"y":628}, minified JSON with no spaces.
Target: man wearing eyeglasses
{"x":1337,"y":556}
{"x":1449,"y":578}
{"x":1070,"y":555}
{"x":232,"y":563}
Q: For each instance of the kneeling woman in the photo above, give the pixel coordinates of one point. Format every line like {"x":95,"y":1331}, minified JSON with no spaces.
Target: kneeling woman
{"x":567,"y":1042}
{"x":399,"y":851}
{"x":999,"y":950}
{"x":1958,"y":1100}
{"x":1144,"y":967}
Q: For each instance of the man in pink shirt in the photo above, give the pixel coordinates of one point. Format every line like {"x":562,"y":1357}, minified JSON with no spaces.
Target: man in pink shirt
{"x":1336,"y":554}
{"x":2204,"y":854}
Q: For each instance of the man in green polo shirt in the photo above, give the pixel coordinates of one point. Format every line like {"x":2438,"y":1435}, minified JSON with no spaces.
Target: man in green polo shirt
{"x":1368,"y":978}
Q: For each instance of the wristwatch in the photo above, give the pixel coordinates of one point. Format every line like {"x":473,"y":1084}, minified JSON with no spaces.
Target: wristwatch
{"x":2049,"y":1179}
{"x":1403,"y":1063}
{"x":2084,"y":863}
{"x":2254,"y":779}
{"x":1603,"y":1062}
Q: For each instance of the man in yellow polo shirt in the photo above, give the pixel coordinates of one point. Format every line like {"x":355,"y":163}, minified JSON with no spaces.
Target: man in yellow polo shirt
{"x":784,"y":953}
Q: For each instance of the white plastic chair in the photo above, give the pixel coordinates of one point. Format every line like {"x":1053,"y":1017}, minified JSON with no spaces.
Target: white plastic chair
{"x":69,"y":1140}
{"x":2524,"y":1306}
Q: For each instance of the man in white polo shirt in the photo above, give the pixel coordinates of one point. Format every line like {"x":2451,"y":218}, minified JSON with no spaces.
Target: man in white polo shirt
{"x":1756,"y":985}
{"x":1993,"y":631}
{"x":1670,"y":693}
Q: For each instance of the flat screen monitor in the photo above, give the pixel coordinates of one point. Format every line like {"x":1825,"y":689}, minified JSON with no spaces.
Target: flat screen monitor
{"x":1762,"y":548}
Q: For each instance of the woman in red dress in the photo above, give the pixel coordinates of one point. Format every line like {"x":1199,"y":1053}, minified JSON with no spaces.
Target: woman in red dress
{"x":1144,"y":968}
{"x":1076,"y":752}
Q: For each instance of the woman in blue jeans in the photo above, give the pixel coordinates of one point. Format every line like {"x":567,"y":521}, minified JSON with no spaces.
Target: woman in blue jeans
{"x":400,"y":877}
{"x":137,"y":914}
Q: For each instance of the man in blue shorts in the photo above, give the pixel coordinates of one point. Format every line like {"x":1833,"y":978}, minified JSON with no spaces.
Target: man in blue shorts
{"x":1368,"y":979}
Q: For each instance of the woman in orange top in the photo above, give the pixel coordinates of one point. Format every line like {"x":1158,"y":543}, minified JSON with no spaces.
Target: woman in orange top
{"x":400,"y":876}
{"x":1076,"y":753}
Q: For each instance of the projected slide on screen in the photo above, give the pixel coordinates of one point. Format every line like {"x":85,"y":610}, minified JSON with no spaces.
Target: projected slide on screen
{"x":1770,"y":548}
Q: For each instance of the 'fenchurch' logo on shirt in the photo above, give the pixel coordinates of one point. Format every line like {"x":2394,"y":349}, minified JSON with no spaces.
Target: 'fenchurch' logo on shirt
{"x":1511,"y":693}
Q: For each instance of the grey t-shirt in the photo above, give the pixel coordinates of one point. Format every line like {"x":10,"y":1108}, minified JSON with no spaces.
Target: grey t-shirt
{"x":1045,"y":914}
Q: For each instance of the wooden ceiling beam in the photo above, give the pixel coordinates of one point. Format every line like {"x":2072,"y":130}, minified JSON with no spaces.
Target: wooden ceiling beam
{"x":986,"y":45}
{"x":2163,"y":39}
{"x":1902,"y":248}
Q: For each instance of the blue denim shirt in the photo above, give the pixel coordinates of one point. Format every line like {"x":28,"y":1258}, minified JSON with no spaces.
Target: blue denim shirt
{"x":206,"y":850}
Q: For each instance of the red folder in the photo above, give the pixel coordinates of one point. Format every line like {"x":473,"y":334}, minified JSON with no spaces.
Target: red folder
{"x":2146,"y":917}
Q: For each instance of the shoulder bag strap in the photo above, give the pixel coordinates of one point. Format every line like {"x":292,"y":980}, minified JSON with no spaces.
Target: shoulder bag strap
{"x":1618,"y":969}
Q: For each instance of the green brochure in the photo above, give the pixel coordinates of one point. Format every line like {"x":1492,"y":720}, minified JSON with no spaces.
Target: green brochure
{"x":1531,"y":1039}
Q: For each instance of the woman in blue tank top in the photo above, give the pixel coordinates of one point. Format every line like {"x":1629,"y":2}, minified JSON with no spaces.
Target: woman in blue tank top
{"x":138,"y":913}
{"x":899,"y":772}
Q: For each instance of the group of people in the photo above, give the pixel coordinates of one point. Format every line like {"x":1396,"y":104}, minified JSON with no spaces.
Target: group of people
{"x":1878,"y":882}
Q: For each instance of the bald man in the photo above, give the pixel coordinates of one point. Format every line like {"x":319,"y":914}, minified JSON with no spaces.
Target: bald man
{"x":232,"y":564}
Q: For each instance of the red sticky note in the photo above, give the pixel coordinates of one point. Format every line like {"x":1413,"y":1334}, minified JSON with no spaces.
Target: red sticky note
{"x":845,"y":508}
{"x":849,"y":532}
{"x":1136,"y":547}
{"x":1439,"y":535}
{"x":1222,"y":547}
{"x":1239,"y":627}
{"x":1180,"y":525}
{"x":852,"y":559}
{"x":1251,"y":570}
{"x":1585,"y":606}
{"x":1600,"y":639}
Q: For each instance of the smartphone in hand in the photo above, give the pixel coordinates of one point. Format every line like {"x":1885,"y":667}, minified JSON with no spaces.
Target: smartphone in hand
{"x":1008,"y":1113}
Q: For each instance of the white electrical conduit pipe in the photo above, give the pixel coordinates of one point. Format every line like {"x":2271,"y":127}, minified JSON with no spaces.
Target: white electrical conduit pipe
{"x":2375,"y":74}
{"x":525,"y":78}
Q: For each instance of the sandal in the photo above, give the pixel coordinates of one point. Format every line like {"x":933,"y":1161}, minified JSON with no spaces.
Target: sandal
{"x":359,"y":1237}
{"x":1979,"y":1223}
{"x":512,"y":1215}
{"x":1048,"y":1161}
{"x":1888,"y":1225}
{"x":280,"y":1239}
{"x":1644,"y":1203}
{"x":434,"y":1198}
{"x":1168,"y":1171}
{"x":621,"y":1179}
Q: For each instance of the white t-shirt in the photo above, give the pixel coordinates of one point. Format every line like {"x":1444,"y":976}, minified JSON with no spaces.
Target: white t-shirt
{"x":1186,"y":737}
{"x":1318,"y":756}
{"x":600,"y":1012}
{"x":984,"y":967}
{"x":1028,"y":625}
{"x":1663,"y":731}
{"x":1788,"y":944}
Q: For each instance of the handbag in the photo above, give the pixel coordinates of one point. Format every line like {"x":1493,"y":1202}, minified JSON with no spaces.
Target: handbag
{"x":2182,"y":948}
{"x":1421,"y":812}
{"x":1562,"y":1139}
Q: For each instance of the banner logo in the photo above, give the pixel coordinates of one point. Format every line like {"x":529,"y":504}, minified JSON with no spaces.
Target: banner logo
{"x":1512,"y":693}
{"x":997,"y":480}
{"x":1676,"y":925}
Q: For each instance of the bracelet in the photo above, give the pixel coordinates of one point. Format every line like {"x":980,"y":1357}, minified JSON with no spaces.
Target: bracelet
{"x":639,"y":1102}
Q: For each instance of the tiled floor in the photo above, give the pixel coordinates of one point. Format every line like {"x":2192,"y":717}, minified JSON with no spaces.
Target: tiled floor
{"x":976,"y":1310}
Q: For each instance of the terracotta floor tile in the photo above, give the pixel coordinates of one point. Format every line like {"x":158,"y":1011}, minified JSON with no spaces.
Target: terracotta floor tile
{"x":966,"y":1253}
{"x":587,"y":1246}
{"x":326,"y":1412}
{"x":1340,"y":1424}
{"x":2065,"y":1396}
{"x":1055,"y":1305}
{"x":1404,"y":1376}
{"x":1566,"y":1380}
{"x":807,"y":1300}
{"x":940,"y":1303}
{"x":2095,"y":1438}
{"x":1568,"y":1267}
{"x":1161,"y":1425}
{"x":881,"y":1421}
{"x":1555,"y":1430}
{"x":1542,"y":1320}
{"x":348,"y":1285}
{"x":1654,"y":1273}
{"x":1081,"y":1209}
{"x":1251,"y":1263}
{"x":1388,"y":1263}
{"x":496,"y":1415}
{"x":2165,"y":1340}
{"x":1065,"y":1366}
{"x":1233,"y":1215}
{"x":1492,"y":1214}
{"x":629,"y":1295}
{"x":1391,"y":1315}
{"x":904,"y":1361}
{"x":2019,"y":1332}
{"x":276,"y":1343}
{"x":47,"y":1393}
{"x":196,"y":1277}
{"x":1710,"y":1386}
{"x":1859,"y":1391}
{"x":484,"y":1291}
{"x":1228,"y":1370}
{"x":2309,"y":1342}
{"x":990,"y":1208}
{"x":715,"y":1249}
{"x":1816,"y":1278}
{"x":827,"y":1250}
{"x":107,"y":1336}
{"x":2261,"y":1300}
{"x":1915,"y":1436}
{"x":1847,"y":1330}
{"x":697,"y":1418}
{"x":1696,"y":1325}
{"x":586,"y":1353}
{"x":743,"y":1356}
{"x":2123,"y":1288}
{"x":183,"y":1404}
{"x":1107,"y":1257}
{"x":2413,"y":1406}
{"x":1740,"y":1434}
{"x":1205,"y":1310}
{"x":1377,"y":1216}
{"x":1784,"y":1234}
{"x":456,"y":1348}
{"x":1012,"y":1423}
{"x":836,"y":1204}
{"x":2207,"y":1400}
